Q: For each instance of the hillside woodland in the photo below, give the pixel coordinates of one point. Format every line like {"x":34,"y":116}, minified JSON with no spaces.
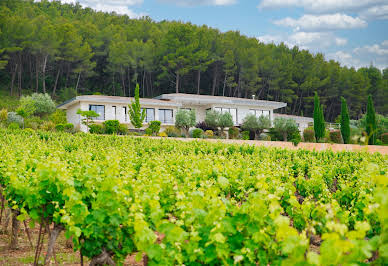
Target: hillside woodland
{"x":65,"y":50}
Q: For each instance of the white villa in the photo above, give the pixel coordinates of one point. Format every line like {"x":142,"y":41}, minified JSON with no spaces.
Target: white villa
{"x":164,"y":107}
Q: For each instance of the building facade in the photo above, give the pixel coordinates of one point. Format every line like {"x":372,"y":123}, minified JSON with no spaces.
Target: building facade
{"x":164,"y":108}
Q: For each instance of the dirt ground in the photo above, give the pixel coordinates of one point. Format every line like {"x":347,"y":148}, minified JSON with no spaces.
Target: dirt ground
{"x":25,"y":254}
{"x":302,"y":145}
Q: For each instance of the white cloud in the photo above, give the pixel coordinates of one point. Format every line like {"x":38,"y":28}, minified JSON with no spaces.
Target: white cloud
{"x":314,"y":41}
{"x":200,"y":2}
{"x":119,"y":9}
{"x":345,"y":59}
{"x":322,"y":22}
{"x":375,"y":12}
{"x":322,"y":6}
{"x":377,"y":49}
{"x":376,"y":54}
{"x":118,"y":6}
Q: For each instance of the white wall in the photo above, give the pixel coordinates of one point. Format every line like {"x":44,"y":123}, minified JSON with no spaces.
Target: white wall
{"x":72,"y":117}
{"x":75,"y":119}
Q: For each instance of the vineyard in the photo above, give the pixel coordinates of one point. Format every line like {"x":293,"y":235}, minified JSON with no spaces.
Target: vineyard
{"x":194,"y":203}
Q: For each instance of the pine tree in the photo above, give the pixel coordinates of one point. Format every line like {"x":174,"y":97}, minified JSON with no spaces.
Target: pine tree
{"x":136,"y":115}
{"x":371,"y":121}
{"x":319,"y":122}
{"x":345,"y":123}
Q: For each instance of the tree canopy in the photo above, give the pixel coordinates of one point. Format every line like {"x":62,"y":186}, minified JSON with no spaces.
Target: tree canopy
{"x":57,"y":48}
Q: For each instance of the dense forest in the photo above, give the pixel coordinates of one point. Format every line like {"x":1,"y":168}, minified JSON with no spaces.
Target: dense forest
{"x":64,"y":49}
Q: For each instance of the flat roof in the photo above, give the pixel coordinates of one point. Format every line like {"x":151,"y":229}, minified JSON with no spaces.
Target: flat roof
{"x":174,"y":100}
{"x":198,"y":99}
{"x":116,"y":100}
{"x":295,"y":117}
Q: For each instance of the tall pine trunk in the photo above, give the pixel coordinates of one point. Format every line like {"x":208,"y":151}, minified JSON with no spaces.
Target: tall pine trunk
{"x":76,"y":86}
{"x":123,"y":82}
{"x":223,"y":89}
{"x":214,"y":80}
{"x":37,"y":75}
{"x":177,"y":82}
{"x":199,"y":82}
{"x":129,"y":82}
{"x":56,"y":81}
{"x":143,"y":83}
{"x":13,"y":77}
{"x":44,"y":73}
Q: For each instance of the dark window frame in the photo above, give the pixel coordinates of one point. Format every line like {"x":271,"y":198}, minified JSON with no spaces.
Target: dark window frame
{"x":98,"y":105}
{"x":164,"y":121}
{"x":146,"y":117}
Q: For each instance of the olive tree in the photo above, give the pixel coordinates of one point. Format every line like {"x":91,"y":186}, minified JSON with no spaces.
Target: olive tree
{"x":40,"y":103}
{"x":185,"y":119}
{"x":285,"y":126}
{"x":225,"y":120}
{"x":256,"y":124}
{"x":212,"y":118}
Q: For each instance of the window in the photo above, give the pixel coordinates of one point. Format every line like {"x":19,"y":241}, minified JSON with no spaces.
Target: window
{"x":232,"y":111}
{"x":186,"y":109}
{"x":166,"y":116}
{"x":259,"y":113}
{"x":150,"y":114}
{"x":114,"y":112}
{"x":125,"y":113}
{"x":266,"y":113}
{"x":99,"y":109}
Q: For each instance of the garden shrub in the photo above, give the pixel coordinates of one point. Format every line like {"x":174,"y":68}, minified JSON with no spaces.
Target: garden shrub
{"x":42,"y":103}
{"x":384,"y":138}
{"x":233,"y":132}
{"x":162,"y":134}
{"x":245,"y":135}
{"x":58,"y":117}
{"x":29,"y":131}
{"x":96,"y":129}
{"x":33,"y":122}
{"x":265,"y":137}
{"x":13,"y":117}
{"x":60,"y":127}
{"x":172,"y":131}
{"x":155,"y":126}
{"x":209,"y":133}
{"x":196,"y":133}
{"x":111,"y":126}
{"x":123,"y":129}
{"x":148,"y":131}
{"x":69,"y":127}
{"x":202,"y":125}
{"x":295,"y":136}
{"x":47,"y":126}
{"x":335,"y":136}
{"x":13,"y":126}
{"x":3,"y":115}
{"x":309,"y":134}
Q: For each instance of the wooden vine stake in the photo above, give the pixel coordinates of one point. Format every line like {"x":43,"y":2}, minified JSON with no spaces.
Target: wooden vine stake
{"x":53,"y":235}
{"x":103,"y":259}
{"x":15,"y":229}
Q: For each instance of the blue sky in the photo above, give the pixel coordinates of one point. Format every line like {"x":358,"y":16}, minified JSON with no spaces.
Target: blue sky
{"x":353,"y":32}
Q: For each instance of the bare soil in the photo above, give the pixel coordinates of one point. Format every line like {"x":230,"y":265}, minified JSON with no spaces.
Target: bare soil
{"x":25,"y":254}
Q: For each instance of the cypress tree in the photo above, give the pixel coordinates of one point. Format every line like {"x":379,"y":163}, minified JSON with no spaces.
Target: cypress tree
{"x":136,"y":115}
{"x":371,"y":121}
{"x":345,"y":121}
{"x":319,"y":121}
